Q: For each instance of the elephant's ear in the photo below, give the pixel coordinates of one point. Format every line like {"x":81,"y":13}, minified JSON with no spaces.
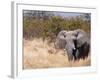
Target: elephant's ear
{"x":60,"y":42}
{"x":81,"y":38}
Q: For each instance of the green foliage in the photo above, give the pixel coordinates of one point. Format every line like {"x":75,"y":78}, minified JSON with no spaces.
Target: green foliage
{"x":49,"y":28}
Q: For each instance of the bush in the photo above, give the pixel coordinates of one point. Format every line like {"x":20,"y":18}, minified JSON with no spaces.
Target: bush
{"x":49,"y":28}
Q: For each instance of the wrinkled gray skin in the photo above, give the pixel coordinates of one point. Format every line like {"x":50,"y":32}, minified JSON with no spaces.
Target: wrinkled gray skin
{"x":76,"y":43}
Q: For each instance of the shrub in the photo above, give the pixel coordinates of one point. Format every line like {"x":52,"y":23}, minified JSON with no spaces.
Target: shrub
{"x":49,"y":28}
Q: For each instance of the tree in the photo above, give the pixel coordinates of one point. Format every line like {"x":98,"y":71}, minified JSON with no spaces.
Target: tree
{"x":86,"y":17}
{"x":44,"y":15}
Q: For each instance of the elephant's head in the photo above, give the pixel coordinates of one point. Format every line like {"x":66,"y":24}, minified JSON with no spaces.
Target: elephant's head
{"x":70,"y":45}
{"x":65,"y":40}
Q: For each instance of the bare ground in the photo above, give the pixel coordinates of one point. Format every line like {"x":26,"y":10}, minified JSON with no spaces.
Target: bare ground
{"x":40,"y":54}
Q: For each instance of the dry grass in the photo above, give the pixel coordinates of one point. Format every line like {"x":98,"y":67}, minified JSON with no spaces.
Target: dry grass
{"x":39,"y":54}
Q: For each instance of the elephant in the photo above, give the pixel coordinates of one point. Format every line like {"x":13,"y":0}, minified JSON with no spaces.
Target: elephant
{"x":76,"y":43}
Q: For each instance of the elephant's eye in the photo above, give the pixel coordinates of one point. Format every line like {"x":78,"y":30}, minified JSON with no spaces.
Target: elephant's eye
{"x":64,"y":36}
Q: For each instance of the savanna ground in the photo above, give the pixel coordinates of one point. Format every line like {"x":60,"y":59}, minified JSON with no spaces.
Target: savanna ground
{"x":40,"y":29}
{"x":41,"y":54}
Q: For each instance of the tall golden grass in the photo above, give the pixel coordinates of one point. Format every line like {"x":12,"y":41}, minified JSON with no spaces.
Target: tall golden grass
{"x":41,"y":54}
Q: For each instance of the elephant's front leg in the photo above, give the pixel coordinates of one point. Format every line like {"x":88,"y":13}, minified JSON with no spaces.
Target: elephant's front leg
{"x":77,"y":54}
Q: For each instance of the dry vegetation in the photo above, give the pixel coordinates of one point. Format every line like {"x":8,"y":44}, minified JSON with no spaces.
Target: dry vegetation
{"x":38,"y":27}
{"x":41,"y":54}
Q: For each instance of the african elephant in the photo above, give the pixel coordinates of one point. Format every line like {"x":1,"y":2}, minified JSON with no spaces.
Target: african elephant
{"x":75,"y":42}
